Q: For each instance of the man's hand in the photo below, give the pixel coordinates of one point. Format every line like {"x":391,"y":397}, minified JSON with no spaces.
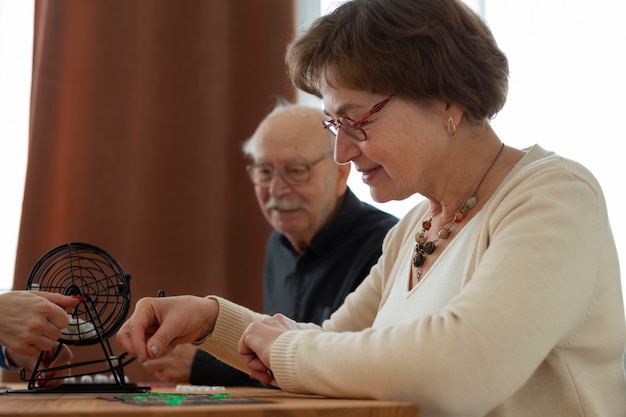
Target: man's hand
{"x":174,"y":367}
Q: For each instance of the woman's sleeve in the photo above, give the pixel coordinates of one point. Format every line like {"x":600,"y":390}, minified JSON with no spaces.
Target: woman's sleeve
{"x":529,"y":286}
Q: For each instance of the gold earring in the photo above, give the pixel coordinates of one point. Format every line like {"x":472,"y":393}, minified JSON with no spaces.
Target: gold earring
{"x":451,"y":127}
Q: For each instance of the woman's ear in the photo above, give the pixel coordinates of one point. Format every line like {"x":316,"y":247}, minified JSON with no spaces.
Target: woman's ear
{"x":452,"y":116}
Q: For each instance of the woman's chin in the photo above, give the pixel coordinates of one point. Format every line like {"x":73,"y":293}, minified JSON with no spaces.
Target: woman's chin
{"x":379,"y":195}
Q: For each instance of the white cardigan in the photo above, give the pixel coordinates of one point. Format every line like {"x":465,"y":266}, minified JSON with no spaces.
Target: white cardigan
{"x":537,"y":328}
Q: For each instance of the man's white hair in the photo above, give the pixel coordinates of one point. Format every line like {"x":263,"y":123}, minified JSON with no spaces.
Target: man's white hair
{"x":282,"y":104}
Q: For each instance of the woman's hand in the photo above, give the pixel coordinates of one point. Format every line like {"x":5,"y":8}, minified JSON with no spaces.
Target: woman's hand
{"x":158,"y":324}
{"x":31,"y":321}
{"x":255,"y":345}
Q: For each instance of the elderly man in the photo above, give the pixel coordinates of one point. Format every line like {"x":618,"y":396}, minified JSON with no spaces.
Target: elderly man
{"x":325,"y":240}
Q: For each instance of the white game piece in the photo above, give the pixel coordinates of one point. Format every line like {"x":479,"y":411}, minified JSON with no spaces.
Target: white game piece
{"x":101,"y":379}
{"x":78,"y":329}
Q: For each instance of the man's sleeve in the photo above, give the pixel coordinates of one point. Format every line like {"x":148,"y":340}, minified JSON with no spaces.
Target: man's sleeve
{"x":206,"y":369}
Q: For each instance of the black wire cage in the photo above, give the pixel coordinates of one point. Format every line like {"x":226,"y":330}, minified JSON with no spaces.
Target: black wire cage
{"x":103,"y":287}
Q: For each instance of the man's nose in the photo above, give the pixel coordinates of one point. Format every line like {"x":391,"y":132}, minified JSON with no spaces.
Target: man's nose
{"x":278,"y":186}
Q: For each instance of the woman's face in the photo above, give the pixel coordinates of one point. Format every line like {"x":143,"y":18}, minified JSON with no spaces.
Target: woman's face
{"x":406,"y":142}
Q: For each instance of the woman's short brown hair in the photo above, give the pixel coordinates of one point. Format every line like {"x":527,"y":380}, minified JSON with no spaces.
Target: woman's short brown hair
{"x":418,"y":49}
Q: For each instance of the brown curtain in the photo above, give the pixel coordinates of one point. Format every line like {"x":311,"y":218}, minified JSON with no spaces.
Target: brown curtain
{"x":138,"y":112}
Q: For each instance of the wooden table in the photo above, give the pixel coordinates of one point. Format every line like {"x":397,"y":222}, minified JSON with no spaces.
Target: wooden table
{"x":274,"y":403}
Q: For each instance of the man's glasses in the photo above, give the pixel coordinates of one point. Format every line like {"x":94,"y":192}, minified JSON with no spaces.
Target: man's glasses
{"x":293,"y":173}
{"x":351,"y":127}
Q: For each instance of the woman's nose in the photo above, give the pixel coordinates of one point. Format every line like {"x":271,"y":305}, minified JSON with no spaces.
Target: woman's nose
{"x":345,"y":148}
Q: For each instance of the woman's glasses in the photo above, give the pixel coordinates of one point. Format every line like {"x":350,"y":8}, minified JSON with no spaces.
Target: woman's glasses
{"x":351,"y":127}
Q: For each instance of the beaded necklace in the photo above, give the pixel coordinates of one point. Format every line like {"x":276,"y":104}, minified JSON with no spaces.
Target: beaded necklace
{"x":423,"y":247}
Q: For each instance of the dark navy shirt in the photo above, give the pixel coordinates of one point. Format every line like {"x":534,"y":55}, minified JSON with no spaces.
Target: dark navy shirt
{"x":308,"y":287}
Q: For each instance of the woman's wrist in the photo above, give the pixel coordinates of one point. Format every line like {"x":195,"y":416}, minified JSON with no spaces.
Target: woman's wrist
{"x":210,"y":316}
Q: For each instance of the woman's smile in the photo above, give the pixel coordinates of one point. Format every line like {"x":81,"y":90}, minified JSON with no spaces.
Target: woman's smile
{"x":368,"y":175}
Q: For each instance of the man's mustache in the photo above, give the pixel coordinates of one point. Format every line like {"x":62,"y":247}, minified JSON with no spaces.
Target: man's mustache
{"x":284,"y":204}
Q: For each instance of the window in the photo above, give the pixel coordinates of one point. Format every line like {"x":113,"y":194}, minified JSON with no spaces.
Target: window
{"x":16,"y":38}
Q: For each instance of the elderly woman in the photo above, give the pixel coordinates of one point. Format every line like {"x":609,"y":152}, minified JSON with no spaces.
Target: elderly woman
{"x":499,"y":295}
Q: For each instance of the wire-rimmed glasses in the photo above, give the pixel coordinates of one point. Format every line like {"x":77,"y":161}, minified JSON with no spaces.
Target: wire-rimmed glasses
{"x":293,"y":173}
{"x":351,"y":127}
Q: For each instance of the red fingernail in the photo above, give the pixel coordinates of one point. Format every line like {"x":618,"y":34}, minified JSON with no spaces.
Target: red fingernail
{"x":79,"y":297}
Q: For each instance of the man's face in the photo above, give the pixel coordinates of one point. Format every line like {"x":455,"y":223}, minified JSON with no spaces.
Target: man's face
{"x":298,"y":211}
